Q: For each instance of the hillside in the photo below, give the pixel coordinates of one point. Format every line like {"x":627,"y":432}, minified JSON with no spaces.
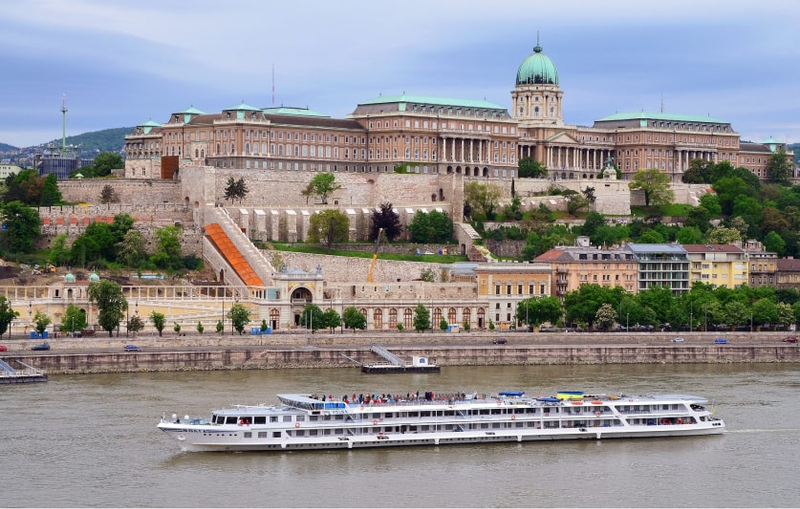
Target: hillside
{"x":107,"y":140}
{"x":4,"y":147}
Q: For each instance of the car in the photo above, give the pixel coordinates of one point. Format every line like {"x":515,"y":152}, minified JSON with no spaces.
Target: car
{"x":3,"y":348}
{"x":721,"y":341}
{"x":500,"y":341}
{"x":43,"y":346}
{"x":677,"y":340}
{"x":790,"y":339}
{"x":132,"y":348}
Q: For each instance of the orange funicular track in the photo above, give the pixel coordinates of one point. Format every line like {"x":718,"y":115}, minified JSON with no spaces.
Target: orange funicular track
{"x":224,"y":245}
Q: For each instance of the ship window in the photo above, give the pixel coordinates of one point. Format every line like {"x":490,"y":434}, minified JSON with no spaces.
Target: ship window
{"x":276,"y":434}
{"x":287,"y":418}
{"x":248,"y":434}
{"x":274,"y":418}
{"x":300,"y":433}
{"x":260,"y":420}
{"x":231,"y":420}
{"x":262,"y":434}
{"x":313,"y":418}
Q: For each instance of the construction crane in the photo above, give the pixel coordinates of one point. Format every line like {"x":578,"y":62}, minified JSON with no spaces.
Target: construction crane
{"x":374,"y":255}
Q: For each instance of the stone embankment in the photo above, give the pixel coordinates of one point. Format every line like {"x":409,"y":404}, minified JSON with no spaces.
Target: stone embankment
{"x":298,"y":350}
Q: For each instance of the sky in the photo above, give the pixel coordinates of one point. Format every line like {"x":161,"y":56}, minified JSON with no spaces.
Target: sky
{"x":122,"y":63}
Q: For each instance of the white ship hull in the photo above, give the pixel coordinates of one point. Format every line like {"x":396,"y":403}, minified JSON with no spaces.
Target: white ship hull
{"x":487,"y":420}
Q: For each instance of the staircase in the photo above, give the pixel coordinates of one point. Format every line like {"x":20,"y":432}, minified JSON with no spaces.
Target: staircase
{"x":232,"y":256}
{"x":389,"y":356}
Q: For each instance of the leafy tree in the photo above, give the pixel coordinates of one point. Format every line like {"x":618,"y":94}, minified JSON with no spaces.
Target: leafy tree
{"x":177,"y":327}
{"x":514,"y":210}
{"x":385,"y":217}
{"x":698,"y":217}
{"x":131,"y":250}
{"x":443,"y":324}
{"x":588,"y":193}
{"x":159,"y":321}
{"x":710,"y":202}
{"x":108,"y":194}
{"x":329,"y":226}
{"x":482,"y":198}
{"x":21,"y":228}
{"x":784,"y":314}
{"x":200,"y":327}
{"x":655,"y":185}
{"x":322,"y":185}
{"x":235,"y":189}
{"x":354,"y":319}
{"x":422,"y":318}
{"x":168,"y":247}
{"x":605,"y":317}
{"x":651,"y":237}
{"x":135,"y":324}
{"x":220,"y":328}
{"x":7,"y":315}
{"x":51,"y":195}
{"x":41,"y":321}
{"x":764,"y":311}
{"x":110,"y":301}
{"x":741,"y":226}
{"x":736,"y":313}
{"x":538,"y":310}
{"x":427,"y":275}
{"x":775,"y":243}
{"x":723,"y":235}
{"x":100,"y":237}
{"x":431,"y":227}
{"x":530,"y":168}
{"x":59,"y":254}
{"x":104,"y":162}
{"x":779,"y":167}
{"x":239,"y":316}
{"x":74,"y":319}
{"x":264,"y":325}
{"x":312,"y":318}
{"x":582,"y":304}
{"x":727,"y":189}
{"x":689,"y":235}
{"x":332,"y":319}
{"x":576,"y":202}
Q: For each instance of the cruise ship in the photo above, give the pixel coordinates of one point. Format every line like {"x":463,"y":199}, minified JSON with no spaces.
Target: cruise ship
{"x":309,"y":421}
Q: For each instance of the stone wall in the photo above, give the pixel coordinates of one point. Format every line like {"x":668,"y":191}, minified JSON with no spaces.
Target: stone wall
{"x":129,"y":191}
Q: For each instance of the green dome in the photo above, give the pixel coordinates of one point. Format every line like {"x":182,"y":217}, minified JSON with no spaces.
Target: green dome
{"x":94,"y":277}
{"x":69,"y":278}
{"x":537,"y":69}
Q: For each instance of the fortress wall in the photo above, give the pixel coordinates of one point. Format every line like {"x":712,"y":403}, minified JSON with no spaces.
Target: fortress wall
{"x":129,"y":191}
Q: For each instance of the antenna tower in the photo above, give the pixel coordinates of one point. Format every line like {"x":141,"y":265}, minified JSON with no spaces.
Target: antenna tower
{"x":63,"y":123}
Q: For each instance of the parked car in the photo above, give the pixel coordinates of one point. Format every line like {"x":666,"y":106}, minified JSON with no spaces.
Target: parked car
{"x":3,"y":348}
{"x":677,"y":340}
{"x":721,"y":341}
{"x":790,"y":339}
{"x":132,"y":348}
{"x":43,"y":346}
{"x":500,"y":341}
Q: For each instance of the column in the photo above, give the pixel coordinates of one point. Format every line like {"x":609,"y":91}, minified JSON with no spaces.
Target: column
{"x":471,"y":150}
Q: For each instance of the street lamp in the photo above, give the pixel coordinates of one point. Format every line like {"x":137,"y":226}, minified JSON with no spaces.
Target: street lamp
{"x":705,"y":323}
{"x":691,"y":313}
{"x":627,"y":321}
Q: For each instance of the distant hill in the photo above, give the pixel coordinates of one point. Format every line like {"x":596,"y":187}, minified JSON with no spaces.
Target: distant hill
{"x":4,"y":147}
{"x":107,"y":140}
{"x":795,"y":147}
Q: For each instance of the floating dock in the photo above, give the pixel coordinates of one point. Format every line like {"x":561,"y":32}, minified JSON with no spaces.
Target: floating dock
{"x":9,"y":375}
{"x":397,"y":365}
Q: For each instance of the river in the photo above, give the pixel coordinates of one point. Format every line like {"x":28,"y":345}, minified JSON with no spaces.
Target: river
{"x":91,"y":441}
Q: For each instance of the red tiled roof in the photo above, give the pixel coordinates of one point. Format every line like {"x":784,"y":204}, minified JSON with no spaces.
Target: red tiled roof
{"x":788,"y":264}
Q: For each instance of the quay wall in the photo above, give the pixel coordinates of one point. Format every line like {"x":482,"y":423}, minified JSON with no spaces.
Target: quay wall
{"x":284,"y":351}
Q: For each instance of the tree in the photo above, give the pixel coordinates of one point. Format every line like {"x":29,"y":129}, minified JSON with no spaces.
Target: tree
{"x":312,"y":318}
{"x":21,"y":227}
{"x":264,"y":325}
{"x":784,"y":313}
{"x":177,"y":328}
{"x":51,"y":195}
{"x":655,"y":185}
{"x":104,"y":162}
{"x":779,"y":167}
{"x":200,"y":327}
{"x":699,"y":172}
{"x":443,"y":324}
{"x":538,"y":310}
{"x":764,"y":311}
{"x":158,"y":320}
{"x":168,"y":247}
{"x":736,"y":313}
{"x":354,"y":319}
{"x":385,"y":217}
{"x":689,"y":235}
{"x":514,"y":210}
{"x":110,"y":301}
{"x":775,"y":243}
{"x":482,"y":199}
{"x":723,"y":235}
{"x":59,"y":254}
{"x":130,"y":250}
{"x":329,"y":226}
{"x":332,"y":319}
{"x":422,"y":318}
{"x":220,"y":328}
{"x":323,"y":185}
{"x":239,"y":316}
{"x":236,"y":189}
{"x":431,"y":227}
{"x":7,"y":315}
{"x":135,"y":324}
{"x":108,"y":194}
{"x":576,"y":202}
{"x":606,"y":316}
{"x":427,"y":275}
{"x":41,"y":321}
{"x":529,"y":168}
{"x":588,"y":193}
{"x":74,"y":319}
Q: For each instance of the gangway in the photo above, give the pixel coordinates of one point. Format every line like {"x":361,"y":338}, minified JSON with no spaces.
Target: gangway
{"x":389,"y":356}
{"x":5,"y":367}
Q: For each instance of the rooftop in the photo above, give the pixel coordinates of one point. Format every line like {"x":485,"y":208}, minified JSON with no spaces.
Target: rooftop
{"x":435,"y":101}
{"x":672,"y":117}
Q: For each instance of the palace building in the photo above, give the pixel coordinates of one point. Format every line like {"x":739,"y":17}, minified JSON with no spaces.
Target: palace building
{"x":421,"y":134}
